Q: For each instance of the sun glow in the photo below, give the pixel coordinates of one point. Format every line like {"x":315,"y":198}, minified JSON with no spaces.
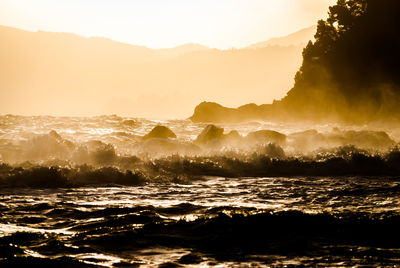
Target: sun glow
{"x":159,"y":23}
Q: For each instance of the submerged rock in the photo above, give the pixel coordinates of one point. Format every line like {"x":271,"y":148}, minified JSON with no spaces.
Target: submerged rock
{"x":210,"y":132}
{"x":160,"y":132}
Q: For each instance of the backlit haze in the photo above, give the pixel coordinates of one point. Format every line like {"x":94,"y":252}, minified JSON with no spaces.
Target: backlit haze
{"x":199,"y":133}
{"x":57,"y":74}
{"x":158,"y":23}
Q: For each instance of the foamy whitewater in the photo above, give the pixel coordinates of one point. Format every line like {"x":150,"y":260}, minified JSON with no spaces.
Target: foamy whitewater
{"x":100,"y":191}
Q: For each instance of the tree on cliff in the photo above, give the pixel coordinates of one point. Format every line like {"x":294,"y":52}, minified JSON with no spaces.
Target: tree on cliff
{"x":352,"y":70}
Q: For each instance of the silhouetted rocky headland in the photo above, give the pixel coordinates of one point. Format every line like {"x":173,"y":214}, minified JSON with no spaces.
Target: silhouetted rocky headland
{"x":349,"y":74}
{"x":214,"y":112}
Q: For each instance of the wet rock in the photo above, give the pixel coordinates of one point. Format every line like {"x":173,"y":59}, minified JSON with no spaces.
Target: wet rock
{"x":160,"y":132}
{"x":266,"y":136}
{"x":212,"y":112}
{"x":233,"y":136}
{"x":210,"y":132}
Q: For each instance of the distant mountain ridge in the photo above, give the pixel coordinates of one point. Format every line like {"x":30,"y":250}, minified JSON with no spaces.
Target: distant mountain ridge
{"x":182,"y":49}
{"x":67,"y":74}
{"x":65,"y":36}
{"x":300,"y":37}
{"x":297,"y":38}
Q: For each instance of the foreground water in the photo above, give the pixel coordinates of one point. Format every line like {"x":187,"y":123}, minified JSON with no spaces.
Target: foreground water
{"x":79,"y":192}
{"x":325,"y":221}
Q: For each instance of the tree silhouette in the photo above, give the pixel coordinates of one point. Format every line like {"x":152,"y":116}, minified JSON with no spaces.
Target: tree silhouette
{"x":352,"y":70}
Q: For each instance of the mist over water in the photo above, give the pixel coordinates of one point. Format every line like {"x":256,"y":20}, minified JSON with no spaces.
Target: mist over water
{"x":115,"y":191}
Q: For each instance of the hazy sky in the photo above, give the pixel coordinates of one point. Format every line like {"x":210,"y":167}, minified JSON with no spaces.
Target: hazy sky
{"x":167,"y":23}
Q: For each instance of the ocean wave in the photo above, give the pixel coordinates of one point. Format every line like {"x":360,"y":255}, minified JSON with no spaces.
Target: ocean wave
{"x":55,"y":177}
{"x":263,"y":236}
{"x":185,"y":169}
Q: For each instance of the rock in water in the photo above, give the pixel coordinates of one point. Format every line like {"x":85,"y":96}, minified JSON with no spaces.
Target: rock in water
{"x":233,"y":135}
{"x":267,"y":136}
{"x":212,"y":112}
{"x":210,"y":133}
{"x":160,"y":132}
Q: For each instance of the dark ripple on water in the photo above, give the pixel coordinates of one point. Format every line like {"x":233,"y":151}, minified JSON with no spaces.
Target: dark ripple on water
{"x":263,"y":221}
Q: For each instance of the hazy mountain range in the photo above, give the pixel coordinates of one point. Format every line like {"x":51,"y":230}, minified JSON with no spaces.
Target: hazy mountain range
{"x":66,"y":74}
{"x":299,"y":38}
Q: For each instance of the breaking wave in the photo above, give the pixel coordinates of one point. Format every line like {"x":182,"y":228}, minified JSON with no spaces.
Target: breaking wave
{"x":345,"y":161}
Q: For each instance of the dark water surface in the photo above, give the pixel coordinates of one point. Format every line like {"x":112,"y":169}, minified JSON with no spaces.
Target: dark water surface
{"x":213,"y":221}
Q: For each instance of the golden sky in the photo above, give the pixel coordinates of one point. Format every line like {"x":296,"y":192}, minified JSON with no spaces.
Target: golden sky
{"x":166,"y":23}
